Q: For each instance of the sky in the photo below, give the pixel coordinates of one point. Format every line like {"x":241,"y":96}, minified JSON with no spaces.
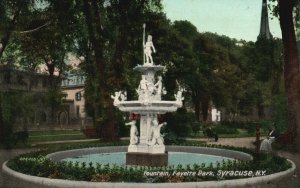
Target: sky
{"x":238,"y":19}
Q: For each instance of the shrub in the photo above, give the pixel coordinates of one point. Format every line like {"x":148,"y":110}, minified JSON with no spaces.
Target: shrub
{"x":220,"y":129}
{"x":227,"y":127}
{"x":181,"y":123}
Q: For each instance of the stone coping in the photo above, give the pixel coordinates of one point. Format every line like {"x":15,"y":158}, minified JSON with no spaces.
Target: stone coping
{"x":19,"y":180}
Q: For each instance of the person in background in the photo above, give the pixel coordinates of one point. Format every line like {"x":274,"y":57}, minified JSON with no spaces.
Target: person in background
{"x":266,"y":145}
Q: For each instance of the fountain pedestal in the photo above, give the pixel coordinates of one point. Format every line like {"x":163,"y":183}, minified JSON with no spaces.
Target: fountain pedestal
{"x":147,"y":159}
{"x":147,"y":145}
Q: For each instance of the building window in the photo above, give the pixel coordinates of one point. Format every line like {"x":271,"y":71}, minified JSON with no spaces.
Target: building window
{"x":78,"y":96}
{"x":77,"y":111}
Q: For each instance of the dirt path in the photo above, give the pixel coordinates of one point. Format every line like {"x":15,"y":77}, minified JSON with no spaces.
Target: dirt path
{"x":292,"y":182}
{"x":237,"y":142}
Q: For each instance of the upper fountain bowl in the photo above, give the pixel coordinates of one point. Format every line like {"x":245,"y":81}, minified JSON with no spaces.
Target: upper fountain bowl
{"x":145,"y":107}
{"x":148,"y":67}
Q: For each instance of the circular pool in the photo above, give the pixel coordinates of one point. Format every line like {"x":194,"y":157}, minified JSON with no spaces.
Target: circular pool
{"x":19,"y":180}
{"x":184,"y":150}
{"x":174,"y":159}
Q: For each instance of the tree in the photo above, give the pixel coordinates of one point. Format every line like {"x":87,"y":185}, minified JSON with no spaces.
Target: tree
{"x":10,"y":14}
{"x":111,"y":32}
{"x":291,"y":68}
{"x":216,"y":75}
{"x":285,"y":10}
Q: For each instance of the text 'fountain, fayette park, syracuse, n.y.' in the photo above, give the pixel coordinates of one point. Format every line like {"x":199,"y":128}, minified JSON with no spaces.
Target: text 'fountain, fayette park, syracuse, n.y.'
{"x":147,"y":145}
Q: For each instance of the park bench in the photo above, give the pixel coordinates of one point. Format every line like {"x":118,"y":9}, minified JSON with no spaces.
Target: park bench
{"x":285,"y":138}
{"x":90,"y":132}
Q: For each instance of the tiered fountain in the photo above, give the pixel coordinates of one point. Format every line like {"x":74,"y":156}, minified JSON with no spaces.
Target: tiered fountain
{"x":147,"y":145}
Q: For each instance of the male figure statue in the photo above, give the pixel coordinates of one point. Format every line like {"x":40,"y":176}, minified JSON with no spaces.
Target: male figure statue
{"x":148,"y":50}
{"x":155,"y":133}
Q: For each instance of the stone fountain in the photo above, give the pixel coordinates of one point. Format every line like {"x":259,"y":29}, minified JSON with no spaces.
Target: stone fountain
{"x":147,"y":145}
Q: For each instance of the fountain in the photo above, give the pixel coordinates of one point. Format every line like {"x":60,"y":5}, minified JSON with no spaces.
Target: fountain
{"x":147,"y":149}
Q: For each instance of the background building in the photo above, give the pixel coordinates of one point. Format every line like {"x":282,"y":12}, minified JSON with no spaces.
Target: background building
{"x":28,"y":93}
{"x":73,"y":88}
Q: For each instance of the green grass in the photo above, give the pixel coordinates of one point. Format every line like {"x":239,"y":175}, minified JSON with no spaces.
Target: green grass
{"x":55,"y":138}
{"x":53,"y":132}
{"x":67,"y":146}
{"x":54,"y":135}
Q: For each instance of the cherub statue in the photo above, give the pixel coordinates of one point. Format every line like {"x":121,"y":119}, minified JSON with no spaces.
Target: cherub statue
{"x":143,"y":88}
{"x":156,"y":137}
{"x":116,"y":97}
{"x":158,"y":88}
{"x":151,"y":88}
{"x":148,"y":50}
{"x":179,"y":96}
{"x":123,"y":96}
{"x":133,"y":132}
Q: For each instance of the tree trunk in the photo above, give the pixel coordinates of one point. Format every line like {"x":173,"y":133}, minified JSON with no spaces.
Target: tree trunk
{"x":107,"y":123}
{"x":291,"y":68}
{"x":197,"y":106}
{"x":197,"y":111}
{"x":118,"y":67}
{"x":260,"y":109}
{"x":1,"y":121}
{"x":204,"y":108}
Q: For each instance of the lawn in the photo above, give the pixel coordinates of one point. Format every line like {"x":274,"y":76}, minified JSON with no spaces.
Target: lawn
{"x":54,"y":135}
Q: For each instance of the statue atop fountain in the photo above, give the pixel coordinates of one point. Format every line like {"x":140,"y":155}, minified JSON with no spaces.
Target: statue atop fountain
{"x":147,"y":145}
{"x":148,"y":47}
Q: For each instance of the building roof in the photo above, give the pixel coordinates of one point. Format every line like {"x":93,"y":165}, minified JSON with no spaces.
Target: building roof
{"x":73,"y":81}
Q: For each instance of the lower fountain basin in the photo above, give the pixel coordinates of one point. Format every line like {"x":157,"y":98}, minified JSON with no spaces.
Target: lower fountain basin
{"x":175,"y":158}
{"x":19,"y":180}
{"x":58,"y":156}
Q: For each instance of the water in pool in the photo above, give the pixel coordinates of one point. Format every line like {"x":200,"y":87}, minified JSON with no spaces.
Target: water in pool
{"x":175,"y":158}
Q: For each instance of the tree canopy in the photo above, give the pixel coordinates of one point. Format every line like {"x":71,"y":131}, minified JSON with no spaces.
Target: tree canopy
{"x":106,"y":36}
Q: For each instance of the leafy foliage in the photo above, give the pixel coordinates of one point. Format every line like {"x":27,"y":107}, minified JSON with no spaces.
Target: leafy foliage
{"x":236,"y":76}
{"x":181,"y":123}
